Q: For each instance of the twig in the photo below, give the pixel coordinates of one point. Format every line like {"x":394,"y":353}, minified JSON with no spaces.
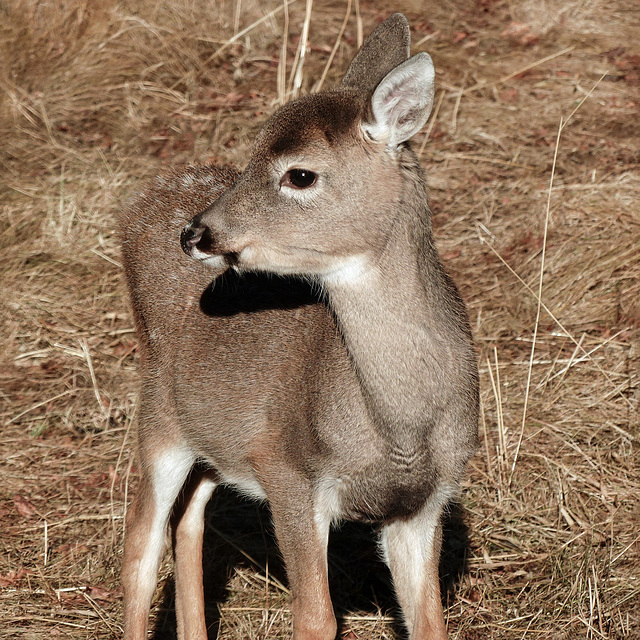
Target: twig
{"x":294,"y":66}
{"x":56,"y":621}
{"x":454,"y":116}
{"x":115,"y":475}
{"x":74,"y":519}
{"x":94,"y":382}
{"x":335,"y":48}
{"x":40,"y":404}
{"x":104,"y":256}
{"x":46,"y":543}
{"x":359,"y":32}
{"x":487,"y":83}
{"x":486,"y":441}
{"x":297,"y":78}
{"x":586,"y":354}
{"x":432,"y":123}
{"x":501,"y":446}
{"x":272,"y":578}
{"x":546,"y":308}
{"x":572,"y":360}
{"x":562,"y":125}
{"x":539,"y":306}
{"x":429,"y":36}
{"x":246,"y":30}
{"x":281,"y":78}
{"x":103,"y":617}
{"x":236,"y":16}
{"x":506,"y":163}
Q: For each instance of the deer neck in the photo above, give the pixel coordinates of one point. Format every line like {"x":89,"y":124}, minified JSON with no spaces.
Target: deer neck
{"x":393,"y":316}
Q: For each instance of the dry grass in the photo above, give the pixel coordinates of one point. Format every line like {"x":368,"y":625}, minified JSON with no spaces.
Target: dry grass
{"x":97,"y":97}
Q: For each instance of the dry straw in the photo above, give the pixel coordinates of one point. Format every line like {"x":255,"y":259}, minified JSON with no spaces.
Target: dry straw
{"x":540,"y":230}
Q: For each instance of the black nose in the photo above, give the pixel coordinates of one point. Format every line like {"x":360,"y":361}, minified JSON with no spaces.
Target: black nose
{"x":190,"y":237}
{"x":195,"y":235}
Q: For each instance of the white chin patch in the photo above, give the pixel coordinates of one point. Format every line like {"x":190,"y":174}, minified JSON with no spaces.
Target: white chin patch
{"x":261,"y":258}
{"x":301,"y":263}
{"x":349,"y":271}
{"x":247,"y":256}
{"x":214,"y":261}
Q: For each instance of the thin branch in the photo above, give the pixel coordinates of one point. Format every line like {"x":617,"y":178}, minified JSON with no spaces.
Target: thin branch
{"x":335,"y":47}
{"x":562,"y":125}
{"x":489,"y":83}
{"x":246,"y":30}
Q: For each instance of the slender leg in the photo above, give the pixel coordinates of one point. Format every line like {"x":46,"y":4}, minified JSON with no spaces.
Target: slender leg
{"x":412,"y":552}
{"x":187,"y":549}
{"x":147,"y":521}
{"x":303,"y":537}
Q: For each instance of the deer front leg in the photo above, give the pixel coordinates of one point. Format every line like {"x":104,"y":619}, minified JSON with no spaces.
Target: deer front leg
{"x":412,"y":551}
{"x":147,"y":520}
{"x":188,"y":536}
{"x":303,"y":536}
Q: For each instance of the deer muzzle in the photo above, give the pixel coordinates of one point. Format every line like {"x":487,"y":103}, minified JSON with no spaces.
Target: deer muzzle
{"x":200,"y":242}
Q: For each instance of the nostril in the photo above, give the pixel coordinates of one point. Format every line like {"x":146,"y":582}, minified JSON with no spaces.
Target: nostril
{"x":189,"y":237}
{"x":205,"y":242}
{"x":198,"y":237}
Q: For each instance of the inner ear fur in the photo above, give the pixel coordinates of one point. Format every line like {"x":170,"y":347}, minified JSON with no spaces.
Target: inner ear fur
{"x":402,"y":101}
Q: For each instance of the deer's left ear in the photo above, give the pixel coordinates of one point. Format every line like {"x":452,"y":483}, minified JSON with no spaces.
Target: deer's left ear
{"x":386,"y":48}
{"x":402,"y":102}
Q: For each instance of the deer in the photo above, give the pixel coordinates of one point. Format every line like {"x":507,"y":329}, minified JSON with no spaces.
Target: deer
{"x":301,"y":342}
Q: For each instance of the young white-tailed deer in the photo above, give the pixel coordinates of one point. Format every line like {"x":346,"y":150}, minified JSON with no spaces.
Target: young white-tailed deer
{"x":349,"y":393}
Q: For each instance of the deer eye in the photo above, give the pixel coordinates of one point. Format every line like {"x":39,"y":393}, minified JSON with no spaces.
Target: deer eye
{"x":299,"y":178}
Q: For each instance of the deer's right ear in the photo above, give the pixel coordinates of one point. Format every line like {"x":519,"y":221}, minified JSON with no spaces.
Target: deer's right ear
{"x":402,"y":102}
{"x":386,"y":48}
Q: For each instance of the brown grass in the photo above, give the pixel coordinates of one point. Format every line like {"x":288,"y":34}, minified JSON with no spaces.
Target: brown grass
{"x":97,"y":97}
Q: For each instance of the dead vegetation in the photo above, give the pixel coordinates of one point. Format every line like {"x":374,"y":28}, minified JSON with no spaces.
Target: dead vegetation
{"x":532,"y":156}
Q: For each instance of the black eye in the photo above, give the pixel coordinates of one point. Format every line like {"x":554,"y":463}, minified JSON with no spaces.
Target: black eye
{"x":299,"y":178}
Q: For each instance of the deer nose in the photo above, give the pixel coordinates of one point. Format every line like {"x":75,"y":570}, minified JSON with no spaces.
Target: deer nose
{"x":196,"y":236}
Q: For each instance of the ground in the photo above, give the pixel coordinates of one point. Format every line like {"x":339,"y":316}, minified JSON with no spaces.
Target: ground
{"x":532,"y":159}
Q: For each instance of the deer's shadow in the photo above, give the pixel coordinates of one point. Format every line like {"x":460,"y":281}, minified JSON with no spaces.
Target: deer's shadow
{"x":238,"y":534}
